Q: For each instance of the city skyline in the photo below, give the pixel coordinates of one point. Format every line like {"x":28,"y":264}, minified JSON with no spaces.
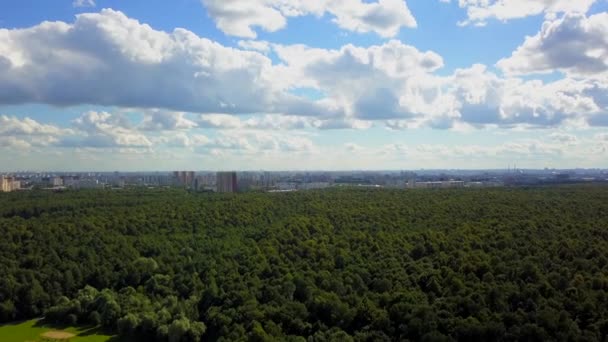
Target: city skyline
{"x":107,"y":85}
{"x":285,"y":181}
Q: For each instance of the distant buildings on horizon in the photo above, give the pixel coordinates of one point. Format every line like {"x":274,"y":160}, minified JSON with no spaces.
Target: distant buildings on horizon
{"x":231,"y":181}
{"x":226,"y":182}
{"x":8,"y":184}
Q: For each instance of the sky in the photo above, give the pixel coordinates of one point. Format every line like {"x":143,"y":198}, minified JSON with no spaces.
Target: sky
{"x":145,"y":85}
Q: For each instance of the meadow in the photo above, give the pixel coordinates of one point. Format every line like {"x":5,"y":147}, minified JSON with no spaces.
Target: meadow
{"x":34,"y":329}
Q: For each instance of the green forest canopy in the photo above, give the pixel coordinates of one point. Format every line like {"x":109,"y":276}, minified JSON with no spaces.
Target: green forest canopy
{"x":331,"y":265}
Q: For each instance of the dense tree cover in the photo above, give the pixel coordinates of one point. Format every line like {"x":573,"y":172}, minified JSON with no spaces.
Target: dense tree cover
{"x":334,"y":265}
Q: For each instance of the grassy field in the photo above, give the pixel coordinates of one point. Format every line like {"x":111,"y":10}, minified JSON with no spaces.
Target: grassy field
{"x":31,"y":331}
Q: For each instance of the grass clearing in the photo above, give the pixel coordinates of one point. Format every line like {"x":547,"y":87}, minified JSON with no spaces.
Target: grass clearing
{"x":37,"y":331}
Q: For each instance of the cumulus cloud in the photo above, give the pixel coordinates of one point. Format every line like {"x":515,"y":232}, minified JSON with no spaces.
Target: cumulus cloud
{"x":183,"y":140}
{"x":11,"y":125}
{"x":108,"y":59}
{"x":476,"y":97}
{"x":385,"y":17}
{"x":364,"y":83}
{"x":256,"y":45}
{"x":343,"y":123}
{"x":256,"y":143}
{"x":241,"y":17}
{"x":574,"y":44}
{"x":114,"y":131}
{"x":104,"y":130}
{"x":221,"y":121}
{"x":266,"y":122}
{"x":26,"y":133}
{"x":479,"y":11}
{"x":14,"y":143}
{"x":98,"y":133}
{"x":83,"y":3}
{"x":158,"y":120}
{"x":278,"y":122}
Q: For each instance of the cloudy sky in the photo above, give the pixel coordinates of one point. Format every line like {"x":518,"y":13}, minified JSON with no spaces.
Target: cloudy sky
{"x":302,"y":84}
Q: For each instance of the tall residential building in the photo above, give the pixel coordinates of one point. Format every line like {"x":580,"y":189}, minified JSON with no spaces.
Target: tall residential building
{"x":4,"y":184}
{"x":184,"y":178}
{"x":8,"y":184}
{"x":15,"y":185}
{"x":226,"y":182}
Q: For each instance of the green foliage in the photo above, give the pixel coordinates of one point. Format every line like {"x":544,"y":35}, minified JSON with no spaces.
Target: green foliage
{"x":333,"y":265}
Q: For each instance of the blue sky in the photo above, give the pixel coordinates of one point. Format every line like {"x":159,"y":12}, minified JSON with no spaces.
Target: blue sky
{"x":292,"y":84}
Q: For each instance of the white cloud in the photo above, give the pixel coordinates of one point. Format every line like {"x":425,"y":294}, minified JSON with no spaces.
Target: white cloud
{"x":165,"y":120}
{"x":514,"y":101}
{"x":184,"y":140}
{"x":236,"y":18}
{"x":99,"y":138}
{"x":574,"y":44}
{"x":475,"y":97}
{"x":14,"y":143}
{"x":255,"y":45}
{"x":343,"y":123}
{"x":11,"y":125}
{"x":255,"y":143}
{"x":221,"y":121}
{"x":26,"y":133}
{"x":83,"y":3}
{"x":104,"y":130}
{"x":240,"y":17}
{"x":396,"y":83}
{"x":278,"y":122}
{"x":385,"y":18}
{"x":108,"y":59}
{"x":479,"y":11}
{"x":361,"y":83}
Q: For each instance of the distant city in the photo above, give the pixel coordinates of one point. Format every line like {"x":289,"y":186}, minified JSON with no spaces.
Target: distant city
{"x":231,"y":181}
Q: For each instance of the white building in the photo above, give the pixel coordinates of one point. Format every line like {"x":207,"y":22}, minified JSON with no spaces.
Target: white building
{"x":56,"y":182}
{"x":8,"y":184}
{"x":4,"y":184}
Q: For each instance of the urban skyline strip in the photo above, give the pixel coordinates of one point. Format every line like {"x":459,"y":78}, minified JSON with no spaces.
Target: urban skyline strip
{"x":233,"y":181}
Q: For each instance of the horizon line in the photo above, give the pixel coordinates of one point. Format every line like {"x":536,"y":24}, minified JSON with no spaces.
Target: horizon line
{"x":313,"y":170}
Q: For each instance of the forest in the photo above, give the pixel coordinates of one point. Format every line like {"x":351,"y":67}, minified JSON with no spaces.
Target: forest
{"x":347,"y":264}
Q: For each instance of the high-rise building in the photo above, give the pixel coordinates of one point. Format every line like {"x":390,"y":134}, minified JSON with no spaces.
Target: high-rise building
{"x":184,"y":178}
{"x":8,"y":184}
{"x":226,"y":181}
{"x":4,"y":184}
